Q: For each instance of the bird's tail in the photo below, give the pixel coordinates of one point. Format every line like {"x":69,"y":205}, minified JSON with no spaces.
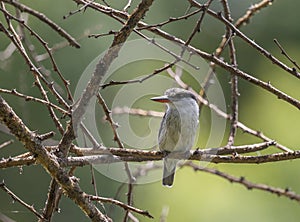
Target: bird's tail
{"x":169,"y":172}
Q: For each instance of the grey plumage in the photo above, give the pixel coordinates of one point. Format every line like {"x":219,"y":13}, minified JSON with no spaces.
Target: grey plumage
{"x":178,"y":127}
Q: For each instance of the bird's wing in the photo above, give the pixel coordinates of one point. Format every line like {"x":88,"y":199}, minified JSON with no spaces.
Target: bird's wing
{"x":169,"y":132}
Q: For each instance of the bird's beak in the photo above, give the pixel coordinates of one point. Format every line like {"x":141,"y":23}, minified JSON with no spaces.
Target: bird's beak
{"x":161,"y":99}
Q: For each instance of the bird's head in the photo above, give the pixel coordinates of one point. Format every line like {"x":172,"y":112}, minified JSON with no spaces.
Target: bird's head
{"x":177,"y":97}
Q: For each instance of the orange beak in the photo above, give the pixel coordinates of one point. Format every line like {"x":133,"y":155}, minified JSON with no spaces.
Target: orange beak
{"x":161,"y":99}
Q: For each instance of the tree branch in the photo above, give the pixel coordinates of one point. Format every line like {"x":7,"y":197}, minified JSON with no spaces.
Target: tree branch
{"x":131,"y":155}
{"x":120,"y":204}
{"x":105,"y":155}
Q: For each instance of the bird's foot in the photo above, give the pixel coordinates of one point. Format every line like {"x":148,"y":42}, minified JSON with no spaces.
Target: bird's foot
{"x":165,"y":153}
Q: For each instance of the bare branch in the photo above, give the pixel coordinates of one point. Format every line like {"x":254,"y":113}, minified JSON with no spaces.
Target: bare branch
{"x":283,"y":52}
{"x":16,"y":162}
{"x":171,"y":19}
{"x":140,"y":80}
{"x":82,"y":8}
{"x":249,"y":185}
{"x":251,"y":12}
{"x":138,"y":112}
{"x":111,"y":32}
{"x":6,"y":143}
{"x":52,"y":200}
{"x":127,"y":6}
{"x":104,"y":155}
{"x":198,"y":23}
{"x":141,"y":156}
{"x":120,"y":204}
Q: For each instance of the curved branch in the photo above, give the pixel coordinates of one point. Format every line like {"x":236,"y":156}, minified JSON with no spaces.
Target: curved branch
{"x":249,"y":185}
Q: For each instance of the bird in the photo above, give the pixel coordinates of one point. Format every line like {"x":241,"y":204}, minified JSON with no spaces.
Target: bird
{"x":178,"y":128}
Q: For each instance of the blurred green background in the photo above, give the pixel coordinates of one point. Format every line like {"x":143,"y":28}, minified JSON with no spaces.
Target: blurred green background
{"x":194,"y":196}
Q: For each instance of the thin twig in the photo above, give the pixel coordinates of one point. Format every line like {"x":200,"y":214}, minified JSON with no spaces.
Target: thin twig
{"x":260,"y":134}
{"x":6,"y":143}
{"x":111,"y":32}
{"x":283,"y":52}
{"x":82,"y":8}
{"x":89,"y":135}
{"x":31,"y":98}
{"x":50,"y":109}
{"x":234,"y":78}
{"x":94,"y":184}
{"x":120,"y":204}
{"x":198,"y":23}
{"x":18,"y":199}
{"x":140,"y":171}
{"x":127,"y":6}
{"x":171,"y":19}
{"x":139,"y":80}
